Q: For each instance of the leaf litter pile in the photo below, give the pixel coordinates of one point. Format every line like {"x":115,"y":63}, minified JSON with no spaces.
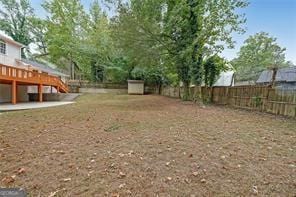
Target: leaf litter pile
{"x":119,"y":145}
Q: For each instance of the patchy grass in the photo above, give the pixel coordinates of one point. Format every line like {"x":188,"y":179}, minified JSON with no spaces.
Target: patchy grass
{"x":147,"y":145}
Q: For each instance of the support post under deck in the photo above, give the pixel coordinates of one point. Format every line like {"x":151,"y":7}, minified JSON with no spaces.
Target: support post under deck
{"x":40,"y":94}
{"x":13,"y":92}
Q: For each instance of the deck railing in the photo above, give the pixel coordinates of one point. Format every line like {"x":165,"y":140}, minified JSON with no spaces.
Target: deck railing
{"x":9,"y":73}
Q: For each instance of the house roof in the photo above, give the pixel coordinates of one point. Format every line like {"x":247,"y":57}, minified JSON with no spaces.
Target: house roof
{"x":283,"y":75}
{"x":10,"y":40}
{"x":44,"y":68}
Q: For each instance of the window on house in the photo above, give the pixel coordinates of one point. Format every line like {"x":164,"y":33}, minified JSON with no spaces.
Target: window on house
{"x":2,"y":47}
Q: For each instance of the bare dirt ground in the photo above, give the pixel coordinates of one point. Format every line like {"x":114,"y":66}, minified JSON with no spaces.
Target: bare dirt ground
{"x":119,"y":145}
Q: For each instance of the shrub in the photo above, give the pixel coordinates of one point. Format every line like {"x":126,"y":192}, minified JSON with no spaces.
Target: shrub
{"x":115,"y":75}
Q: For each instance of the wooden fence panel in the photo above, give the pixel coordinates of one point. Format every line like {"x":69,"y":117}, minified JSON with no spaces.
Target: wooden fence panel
{"x":282,"y":102}
{"x":220,"y":95}
{"x":251,"y":97}
{"x":261,"y":98}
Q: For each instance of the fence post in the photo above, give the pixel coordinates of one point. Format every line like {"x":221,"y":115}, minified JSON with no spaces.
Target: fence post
{"x":227,"y":95}
{"x":267,"y":96}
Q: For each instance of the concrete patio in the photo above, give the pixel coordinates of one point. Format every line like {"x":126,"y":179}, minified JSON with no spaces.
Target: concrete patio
{"x":30,"y":105}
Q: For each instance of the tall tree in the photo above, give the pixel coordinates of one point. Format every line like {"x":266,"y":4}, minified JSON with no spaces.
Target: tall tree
{"x":180,"y":33}
{"x":178,"y":30}
{"x":38,"y":30}
{"x":259,"y":52}
{"x":137,"y":30}
{"x":213,"y":66}
{"x":199,"y":28}
{"x":66,"y":29}
{"x":98,"y":43}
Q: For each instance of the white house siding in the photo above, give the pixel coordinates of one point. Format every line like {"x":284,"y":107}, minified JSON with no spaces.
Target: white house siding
{"x":5,"y":93}
{"x":5,"y":60}
{"x":13,"y":51}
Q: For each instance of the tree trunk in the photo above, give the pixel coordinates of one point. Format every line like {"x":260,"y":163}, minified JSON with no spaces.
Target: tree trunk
{"x":159,"y":89}
{"x":211,"y":94}
{"x":274,"y":72}
{"x":73,"y":70}
{"x":186,"y":91}
{"x":198,"y":94}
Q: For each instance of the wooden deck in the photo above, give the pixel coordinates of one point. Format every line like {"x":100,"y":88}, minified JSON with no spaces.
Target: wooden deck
{"x":18,"y":76}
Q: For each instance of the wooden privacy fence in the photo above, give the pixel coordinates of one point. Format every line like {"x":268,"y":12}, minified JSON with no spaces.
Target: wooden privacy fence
{"x":261,"y":98}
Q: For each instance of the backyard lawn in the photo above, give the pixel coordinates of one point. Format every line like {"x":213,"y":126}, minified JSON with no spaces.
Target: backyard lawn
{"x":119,"y":145}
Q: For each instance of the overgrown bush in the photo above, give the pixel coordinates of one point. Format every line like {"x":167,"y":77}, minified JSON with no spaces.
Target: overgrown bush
{"x":115,"y":75}
{"x":138,"y":74}
{"x":173,"y":79}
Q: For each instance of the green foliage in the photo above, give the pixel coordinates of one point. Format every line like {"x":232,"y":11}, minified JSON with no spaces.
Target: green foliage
{"x":179,"y":34}
{"x":155,"y":76}
{"x":84,"y":40}
{"x":260,"y":52}
{"x":38,"y":30}
{"x":137,"y":31}
{"x":199,"y":28}
{"x":173,"y":79}
{"x":65,"y":29}
{"x":14,"y":19}
{"x":99,"y":47}
{"x":159,"y":41}
{"x":258,"y":101}
{"x":138,"y":74}
{"x":151,"y":75}
{"x":213,"y":67}
{"x":115,"y":75}
{"x":176,"y":27}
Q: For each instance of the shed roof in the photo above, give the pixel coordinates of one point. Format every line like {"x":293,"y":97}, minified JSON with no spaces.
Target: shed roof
{"x":283,"y":75}
{"x":225,"y":79}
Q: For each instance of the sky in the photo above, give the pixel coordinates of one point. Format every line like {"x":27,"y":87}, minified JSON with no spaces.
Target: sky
{"x":276,"y":17}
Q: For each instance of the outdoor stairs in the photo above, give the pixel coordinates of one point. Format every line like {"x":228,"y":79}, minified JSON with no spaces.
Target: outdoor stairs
{"x":18,"y":76}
